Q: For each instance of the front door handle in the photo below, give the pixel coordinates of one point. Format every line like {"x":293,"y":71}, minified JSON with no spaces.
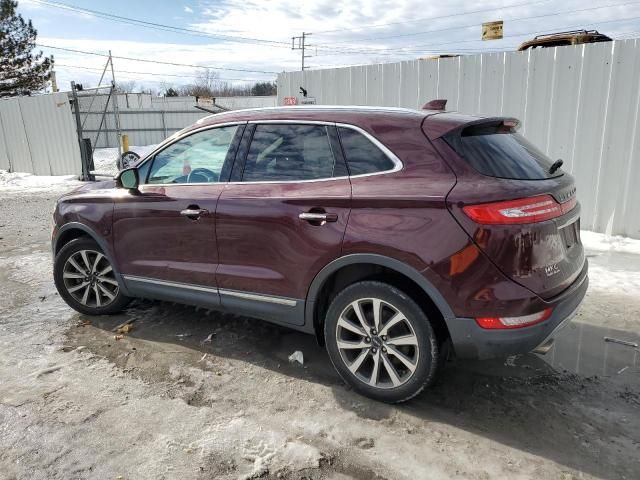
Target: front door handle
{"x":317,"y":218}
{"x":193,"y":213}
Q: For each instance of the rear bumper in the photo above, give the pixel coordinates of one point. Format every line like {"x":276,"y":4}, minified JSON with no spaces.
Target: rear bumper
{"x":471,"y":341}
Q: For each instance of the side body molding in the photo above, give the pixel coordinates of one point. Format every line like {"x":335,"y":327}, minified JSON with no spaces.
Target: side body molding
{"x":369,"y":258}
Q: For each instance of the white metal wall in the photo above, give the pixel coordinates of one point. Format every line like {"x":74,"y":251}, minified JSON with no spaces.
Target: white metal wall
{"x":148,"y":120}
{"x":144,"y":127}
{"x":578,"y":103}
{"x":38,"y":135}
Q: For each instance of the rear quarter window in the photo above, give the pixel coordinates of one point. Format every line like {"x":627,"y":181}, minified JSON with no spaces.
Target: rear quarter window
{"x":362,"y":155}
{"x":498,"y":151}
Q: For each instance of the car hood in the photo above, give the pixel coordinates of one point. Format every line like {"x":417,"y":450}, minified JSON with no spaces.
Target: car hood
{"x":92,"y":189}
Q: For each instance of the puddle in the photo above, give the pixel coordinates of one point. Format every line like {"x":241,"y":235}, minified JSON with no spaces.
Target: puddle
{"x":579,"y":349}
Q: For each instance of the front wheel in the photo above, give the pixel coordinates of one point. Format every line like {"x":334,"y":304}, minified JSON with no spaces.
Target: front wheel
{"x":86,"y":280}
{"x":381,"y":342}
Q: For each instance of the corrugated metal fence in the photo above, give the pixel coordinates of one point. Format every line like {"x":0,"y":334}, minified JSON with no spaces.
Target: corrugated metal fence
{"x":578,"y":103}
{"x":148,"y":120}
{"x":143,"y":126}
{"x":38,"y":135}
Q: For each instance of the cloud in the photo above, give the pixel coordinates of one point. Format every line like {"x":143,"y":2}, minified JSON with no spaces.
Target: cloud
{"x":188,"y":9}
{"x":211,"y":55}
{"x":342,"y":32}
{"x":365,"y":31}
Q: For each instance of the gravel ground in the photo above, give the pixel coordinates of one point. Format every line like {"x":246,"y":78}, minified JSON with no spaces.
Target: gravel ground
{"x":164,"y":403}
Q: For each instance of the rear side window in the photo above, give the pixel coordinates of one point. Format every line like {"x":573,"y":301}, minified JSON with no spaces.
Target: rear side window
{"x":361,"y":154}
{"x":289,"y":152}
{"x":498,"y":151}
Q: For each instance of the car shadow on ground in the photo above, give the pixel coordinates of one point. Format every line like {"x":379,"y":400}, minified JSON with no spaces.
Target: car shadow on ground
{"x":581,"y":421}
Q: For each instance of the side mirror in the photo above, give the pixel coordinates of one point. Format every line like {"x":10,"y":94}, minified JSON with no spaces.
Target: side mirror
{"x":128,"y":179}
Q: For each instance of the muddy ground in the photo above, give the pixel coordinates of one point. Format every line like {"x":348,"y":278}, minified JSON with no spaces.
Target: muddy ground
{"x":164,"y":403}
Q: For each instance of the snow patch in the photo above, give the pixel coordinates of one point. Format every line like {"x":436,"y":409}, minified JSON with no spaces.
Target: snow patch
{"x":601,"y":242}
{"x":27,"y":182}
{"x":605,"y":278}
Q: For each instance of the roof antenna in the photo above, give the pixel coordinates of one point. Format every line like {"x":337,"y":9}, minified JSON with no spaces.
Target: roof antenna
{"x":435,"y":105}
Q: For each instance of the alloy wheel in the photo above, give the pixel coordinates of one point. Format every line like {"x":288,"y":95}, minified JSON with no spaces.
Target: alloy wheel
{"x":377,"y":343}
{"x":89,"y":278}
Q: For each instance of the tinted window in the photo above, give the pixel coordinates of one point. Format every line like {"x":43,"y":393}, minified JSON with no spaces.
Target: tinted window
{"x":289,"y":152}
{"x":499,"y":151}
{"x":197,"y":158}
{"x":361,"y":154}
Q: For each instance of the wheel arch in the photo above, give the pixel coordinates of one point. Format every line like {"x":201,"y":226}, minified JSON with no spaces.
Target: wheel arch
{"x":73,"y":230}
{"x":358,"y":267}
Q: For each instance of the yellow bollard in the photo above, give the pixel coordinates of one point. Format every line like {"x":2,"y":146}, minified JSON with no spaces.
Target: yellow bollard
{"x":125,"y":143}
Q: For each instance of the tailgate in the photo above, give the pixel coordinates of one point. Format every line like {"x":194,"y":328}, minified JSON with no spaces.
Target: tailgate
{"x":517,"y":205}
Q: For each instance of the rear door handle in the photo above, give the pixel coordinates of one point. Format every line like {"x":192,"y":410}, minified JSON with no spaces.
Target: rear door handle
{"x":193,"y":213}
{"x":318,"y":218}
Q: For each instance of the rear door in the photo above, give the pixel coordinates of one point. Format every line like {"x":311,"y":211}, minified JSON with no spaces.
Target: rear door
{"x":282,"y":219}
{"x":517,"y":204}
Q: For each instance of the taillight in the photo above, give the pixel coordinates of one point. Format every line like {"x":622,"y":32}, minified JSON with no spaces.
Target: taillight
{"x":522,"y":210}
{"x":493,"y":323}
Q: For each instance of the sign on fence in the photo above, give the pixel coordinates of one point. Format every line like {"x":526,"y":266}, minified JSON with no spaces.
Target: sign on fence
{"x":492,"y":30}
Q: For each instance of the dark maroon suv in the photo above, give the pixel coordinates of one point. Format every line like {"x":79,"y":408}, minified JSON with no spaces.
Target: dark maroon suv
{"x":396,"y":236}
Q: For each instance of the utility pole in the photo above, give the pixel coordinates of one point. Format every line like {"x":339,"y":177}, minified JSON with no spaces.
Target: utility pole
{"x":54,"y":83}
{"x":83,"y":150}
{"x":116,"y":112}
{"x":299,"y":43}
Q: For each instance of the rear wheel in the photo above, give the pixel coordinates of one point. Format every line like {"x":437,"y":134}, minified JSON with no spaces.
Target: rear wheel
{"x":86,"y":280}
{"x":381,"y":342}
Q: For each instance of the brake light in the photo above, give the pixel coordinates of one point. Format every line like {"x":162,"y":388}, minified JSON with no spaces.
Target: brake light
{"x":522,"y":210}
{"x":493,"y":323}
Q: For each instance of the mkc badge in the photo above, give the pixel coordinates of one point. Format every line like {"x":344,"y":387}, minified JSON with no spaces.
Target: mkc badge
{"x":551,"y":269}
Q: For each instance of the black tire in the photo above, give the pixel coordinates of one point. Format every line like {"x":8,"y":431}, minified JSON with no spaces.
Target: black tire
{"x":424,"y":356}
{"x":93,"y":306}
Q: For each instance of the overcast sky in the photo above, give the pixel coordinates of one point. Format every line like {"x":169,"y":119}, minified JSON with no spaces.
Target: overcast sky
{"x":342,"y":32}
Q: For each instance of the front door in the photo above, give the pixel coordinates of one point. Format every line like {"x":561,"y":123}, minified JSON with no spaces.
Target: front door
{"x":282,"y":220}
{"x":165,"y":233}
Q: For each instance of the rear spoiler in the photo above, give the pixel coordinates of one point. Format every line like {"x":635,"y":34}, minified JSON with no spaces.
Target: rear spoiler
{"x":437,"y":125}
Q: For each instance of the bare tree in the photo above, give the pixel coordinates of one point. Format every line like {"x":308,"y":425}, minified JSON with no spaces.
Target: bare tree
{"x":126,"y":87}
{"x":205,"y":85}
{"x":149,"y":91}
{"x":209,"y":84}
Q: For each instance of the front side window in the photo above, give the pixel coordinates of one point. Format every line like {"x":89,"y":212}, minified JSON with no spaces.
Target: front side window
{"x":198,"y":158}
{"x":288,"y":152}
{"x":361,"y":154}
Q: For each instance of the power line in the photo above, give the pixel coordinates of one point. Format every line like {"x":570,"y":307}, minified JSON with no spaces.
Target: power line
{"x":470,"y":12}
{"x":154,"y":74}
{"x":160,"y":26}
{"x":531,"y":17}
{"x":84,"y":52}
{"x":621,"y":36}
{"x":420,"y":48}
{"x":537,"y":32}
